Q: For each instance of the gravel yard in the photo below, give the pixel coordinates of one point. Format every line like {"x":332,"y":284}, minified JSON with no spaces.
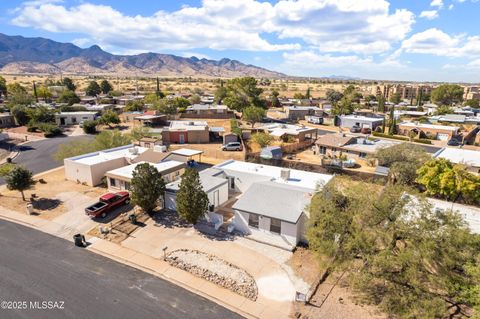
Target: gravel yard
{"x":215,"y":270}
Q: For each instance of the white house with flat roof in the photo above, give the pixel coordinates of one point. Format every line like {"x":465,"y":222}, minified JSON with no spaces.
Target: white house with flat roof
{"x":349,"y":121}
{"x":469,"y":158}
{"x":72,"y":118}
{"x":268,"y":203}
{"x":119,"y":179}
{"x":272,"y":201}
{"x":90,"y":168}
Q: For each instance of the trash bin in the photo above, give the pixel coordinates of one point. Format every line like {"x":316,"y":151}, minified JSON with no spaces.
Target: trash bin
{"x":29,"y":209}
{"x":79,"y":240}
{"x":133,"y":218}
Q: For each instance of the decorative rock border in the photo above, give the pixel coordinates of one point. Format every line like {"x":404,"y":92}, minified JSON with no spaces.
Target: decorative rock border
{"x":216,"y":270}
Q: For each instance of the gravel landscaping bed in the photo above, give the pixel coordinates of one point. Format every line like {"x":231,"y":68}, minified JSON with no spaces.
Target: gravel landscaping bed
{"x":215,"y":270}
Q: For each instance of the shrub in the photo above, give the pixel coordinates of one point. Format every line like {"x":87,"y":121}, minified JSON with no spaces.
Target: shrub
{"x":90,"y":127}
{"x":401,"y":138}
{"x":422,"y":140}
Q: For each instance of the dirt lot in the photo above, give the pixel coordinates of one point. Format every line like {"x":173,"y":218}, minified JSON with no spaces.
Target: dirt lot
{"x":212,"y":153}
{"x":48,"y":202}
{"x":120,"y":228}
{"x":333,"y":299}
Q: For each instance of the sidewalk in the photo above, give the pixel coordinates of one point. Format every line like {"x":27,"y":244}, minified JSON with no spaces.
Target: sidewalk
{"x":157,"y":267}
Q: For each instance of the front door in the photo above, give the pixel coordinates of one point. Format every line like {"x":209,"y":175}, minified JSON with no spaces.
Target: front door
{"x":62,"y":121}
{"x":181,"y":139}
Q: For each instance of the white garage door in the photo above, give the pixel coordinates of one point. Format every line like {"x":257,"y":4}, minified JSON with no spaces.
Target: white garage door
{"x":170,"y":201}
{"x":442,"y":136}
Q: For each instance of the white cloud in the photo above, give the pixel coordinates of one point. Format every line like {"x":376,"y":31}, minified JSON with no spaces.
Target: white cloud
{"x":450,"y":7}
{"x":366,"y":27}
{"x":429,"y":14}
{"x":437,"y":3}
{"x":436,"y":42}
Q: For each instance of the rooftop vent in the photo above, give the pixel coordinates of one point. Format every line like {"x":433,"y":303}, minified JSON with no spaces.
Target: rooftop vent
{"x":133,"y":150}
{"x":285,"y":174}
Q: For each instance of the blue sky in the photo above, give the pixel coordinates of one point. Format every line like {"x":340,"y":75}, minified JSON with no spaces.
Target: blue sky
{"x":413,"y":40}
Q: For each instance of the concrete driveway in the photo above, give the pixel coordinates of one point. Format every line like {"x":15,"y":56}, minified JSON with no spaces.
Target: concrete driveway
{"x":276,"y":284}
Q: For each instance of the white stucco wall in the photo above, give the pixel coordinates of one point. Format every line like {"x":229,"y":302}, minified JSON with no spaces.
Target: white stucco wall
{"x":289,"y":232}
{"x":90,"y":174}
{"x":241,"y":222}
{"x":170,"y":198}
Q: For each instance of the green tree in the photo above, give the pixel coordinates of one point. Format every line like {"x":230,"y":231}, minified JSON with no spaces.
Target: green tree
{"x":396,"y":98}
{"x":441,"y":177}
{"x":20,"y":179}
{"x":195,"y":99}
{"x":69,"y":97}
{"x":16,"y":88}
{"x":68,"y":83}
{"x":298,"y":96}
{"x":192,"y":201}
{"x":253,"y":114}
{"x":243,"y":92}
{"x":262,"y":139}
{"x":403,"y":160}
{"x":6,"y":168}
{"x":93,"y":89}
{"x":473,"y":103}
{"x":308,"y":93}
{"x":109,"y":117}
{"x":392,"y":130}
{"x":333,"y":96}
{"x":400,"y":254}
{"x":104,"y":140}
{"x":45,"y":93}
{"x":139,"y":132}
{"x":344,"y":106}
{"x":90,"y":127}
{"x":106,"y":87}
{"x":220,"y":94}
{"x":275,"y":100}
{"x":135,"y":106}
{"x":146,"y":187}
{"x":443,"y":109}
{"x":447,"y":94}
{"x":159,"y":94}
{"x":41,"y":114}
{"x":3,"y":86}
{"x":20,"y":113}
{"x":381,"y":104}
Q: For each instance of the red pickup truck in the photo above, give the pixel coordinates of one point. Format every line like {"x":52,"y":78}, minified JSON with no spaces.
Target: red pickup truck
{"x":106,"y":203}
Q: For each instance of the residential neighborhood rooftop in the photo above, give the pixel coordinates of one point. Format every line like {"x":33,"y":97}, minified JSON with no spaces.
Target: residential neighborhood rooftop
{"x":303,"y":179}
{"x":279,"y":129}
{"x":188,"y":125}
{"x":128,"y":151}
{"x":430,"y":126}
{"x":207,"y":107}
{"x":127,"y":171}
{"x":289,"y":203}
{"x":459,"y":156}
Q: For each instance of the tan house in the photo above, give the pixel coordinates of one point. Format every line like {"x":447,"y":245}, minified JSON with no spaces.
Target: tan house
{"x":338,"y":145}
{"x":438,"y":132}
{"x":119,"y":179}
{"x":90,"y":168}
{"x":298,"y":132}
{"x":208,"y":111}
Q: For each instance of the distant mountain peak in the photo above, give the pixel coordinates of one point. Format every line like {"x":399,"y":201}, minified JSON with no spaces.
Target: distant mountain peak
{"x":39,"y":55}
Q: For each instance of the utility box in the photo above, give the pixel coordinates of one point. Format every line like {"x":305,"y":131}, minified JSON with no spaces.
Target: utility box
{"x":29,"y":209}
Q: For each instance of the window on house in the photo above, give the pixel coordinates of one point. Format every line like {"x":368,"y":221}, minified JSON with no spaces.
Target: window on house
{"x":74,"y":119}
{"x":232,"y":182}
{"x":275,"y":225}
{"x":127,"y":186}
{"x":253,"y":220}
{"x":113,"y":182}
{"x":323,"y":150}
{"x":362,"y":155}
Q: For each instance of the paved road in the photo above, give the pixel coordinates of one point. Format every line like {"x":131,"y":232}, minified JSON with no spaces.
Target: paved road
{"x":35,"y":266}
{"x":38,"y":156}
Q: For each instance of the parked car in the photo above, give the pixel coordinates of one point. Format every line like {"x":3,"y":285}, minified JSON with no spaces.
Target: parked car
{"x":232,"y":146}
{"x":355,"y":129}
{"x":453,"y":142}
{"x":107,"y":203}
{"x":366,"y":130}
{"x":314,"y":119}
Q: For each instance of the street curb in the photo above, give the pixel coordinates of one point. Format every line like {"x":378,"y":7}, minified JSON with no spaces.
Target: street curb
{"x":142,"y":268}
{"x":174,"y":281}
